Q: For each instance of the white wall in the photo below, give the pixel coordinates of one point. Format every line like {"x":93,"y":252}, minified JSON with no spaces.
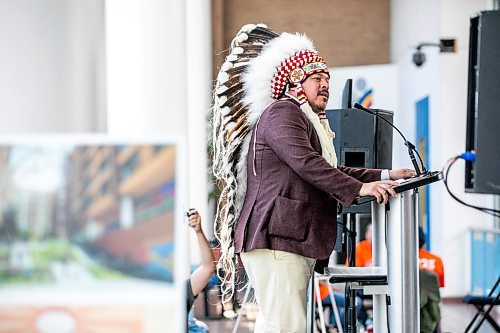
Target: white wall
{"x":146,"y":67}
{"x":86,"y":67}
{"x":199,"y":92}
{"x":48,"y":64}
{"x":159,"y":62}
{"x":443,"y":78}
{"x":158,"y":58}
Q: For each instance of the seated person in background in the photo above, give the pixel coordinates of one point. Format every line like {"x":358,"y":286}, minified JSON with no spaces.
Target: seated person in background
{"x":364,"y":249}
{"x":429,"y":261}
{"x":426,"y":259}
{"x":431,"y":278}
{"x":200,"y":277}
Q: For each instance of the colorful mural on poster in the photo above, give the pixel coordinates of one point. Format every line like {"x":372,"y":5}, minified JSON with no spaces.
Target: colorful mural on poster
{"x":89,"y":219}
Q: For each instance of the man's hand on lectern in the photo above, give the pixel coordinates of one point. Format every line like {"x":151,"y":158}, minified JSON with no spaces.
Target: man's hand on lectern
{"x":401,"y":174}
{"x":380,"y":190}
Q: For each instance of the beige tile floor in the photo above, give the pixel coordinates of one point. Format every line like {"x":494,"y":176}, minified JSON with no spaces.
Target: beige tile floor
{"x":455,"y":318}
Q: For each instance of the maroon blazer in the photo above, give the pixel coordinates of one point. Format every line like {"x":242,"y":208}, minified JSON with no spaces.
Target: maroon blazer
{"x":292,"y":192}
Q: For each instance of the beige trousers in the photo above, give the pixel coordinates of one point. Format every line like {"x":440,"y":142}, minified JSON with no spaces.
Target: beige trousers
{"x":280,"y":280}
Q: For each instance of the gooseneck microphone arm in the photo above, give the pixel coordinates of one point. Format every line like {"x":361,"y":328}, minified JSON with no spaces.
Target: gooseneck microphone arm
{"x":408,"y":144}
{"x":411,"y":149}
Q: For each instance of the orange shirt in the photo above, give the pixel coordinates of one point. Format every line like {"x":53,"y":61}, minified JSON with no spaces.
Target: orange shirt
{"x":323,"y":291}
{"x":364,"y":254}
{"x":426,"y":260}
{"x":430,"y":262}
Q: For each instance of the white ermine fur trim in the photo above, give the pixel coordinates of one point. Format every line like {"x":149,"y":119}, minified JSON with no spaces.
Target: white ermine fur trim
{"x":324,"y":133}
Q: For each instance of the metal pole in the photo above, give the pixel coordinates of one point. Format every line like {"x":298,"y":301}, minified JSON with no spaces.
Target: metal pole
{"x":310,"y":320}
{"x":350,"y":309}
{"x":379,"y":252}
{"x":335,"y":310}
{"x":403,"y":263}
{"x":245,"y":300}
{"x":350,"y":294}
{"x":320,"y":305}
{"x":352,"y":239}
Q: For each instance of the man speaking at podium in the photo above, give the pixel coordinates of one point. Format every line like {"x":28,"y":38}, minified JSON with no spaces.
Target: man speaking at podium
{"x":293,"y":182}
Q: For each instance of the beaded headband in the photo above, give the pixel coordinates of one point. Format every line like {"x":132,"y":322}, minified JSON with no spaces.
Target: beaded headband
{"x":296,"y":69}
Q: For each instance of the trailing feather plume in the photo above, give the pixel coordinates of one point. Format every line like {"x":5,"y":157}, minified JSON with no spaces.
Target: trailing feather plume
{"x":230,"y":141}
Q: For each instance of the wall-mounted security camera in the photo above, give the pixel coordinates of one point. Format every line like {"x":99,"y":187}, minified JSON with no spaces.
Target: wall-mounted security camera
{"x":445,"y":46}
{"x":418,"y":58}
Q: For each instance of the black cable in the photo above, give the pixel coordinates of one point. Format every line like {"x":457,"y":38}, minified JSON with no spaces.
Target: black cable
{"x":424,"y":169}
{"x":387,"y":303}
{"x":351,"y":243}
{"x":490,"y":211}
{"x":346,"y":239}
{"x":486,"y":210}
{"x":483,"y":209}
{"x":386,"y":229}
{"x":411,"y":146}
{"x":387,"y":297}
{"x":407,"y":143}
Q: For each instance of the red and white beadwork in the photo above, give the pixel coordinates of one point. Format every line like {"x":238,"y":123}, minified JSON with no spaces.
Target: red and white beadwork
{"x":295,"y":69}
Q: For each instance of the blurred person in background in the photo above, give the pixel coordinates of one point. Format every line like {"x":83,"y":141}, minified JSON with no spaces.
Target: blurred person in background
{"x":431,"y":278}
{"x":364,"y":249}
{"x":201,"y":275}
{"x":428,"y":260}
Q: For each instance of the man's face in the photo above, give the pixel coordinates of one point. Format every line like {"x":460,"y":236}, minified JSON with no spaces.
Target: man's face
{"x":316,"y":90}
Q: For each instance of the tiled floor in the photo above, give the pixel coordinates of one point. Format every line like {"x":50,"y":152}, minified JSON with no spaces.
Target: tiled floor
{"x":455,"y":318}
{"x":223,"y":326}
{"x":457,"y":315}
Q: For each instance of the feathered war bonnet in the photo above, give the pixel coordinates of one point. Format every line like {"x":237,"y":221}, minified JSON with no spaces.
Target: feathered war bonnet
{"x":259,"y":68}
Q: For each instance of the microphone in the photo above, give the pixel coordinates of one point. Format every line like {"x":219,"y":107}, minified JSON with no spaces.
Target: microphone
{"x":411,"y":146}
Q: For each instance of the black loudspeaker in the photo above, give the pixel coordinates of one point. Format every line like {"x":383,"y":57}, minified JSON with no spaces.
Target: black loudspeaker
{"x":483,"y":104}
{"x":362,"y":140}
